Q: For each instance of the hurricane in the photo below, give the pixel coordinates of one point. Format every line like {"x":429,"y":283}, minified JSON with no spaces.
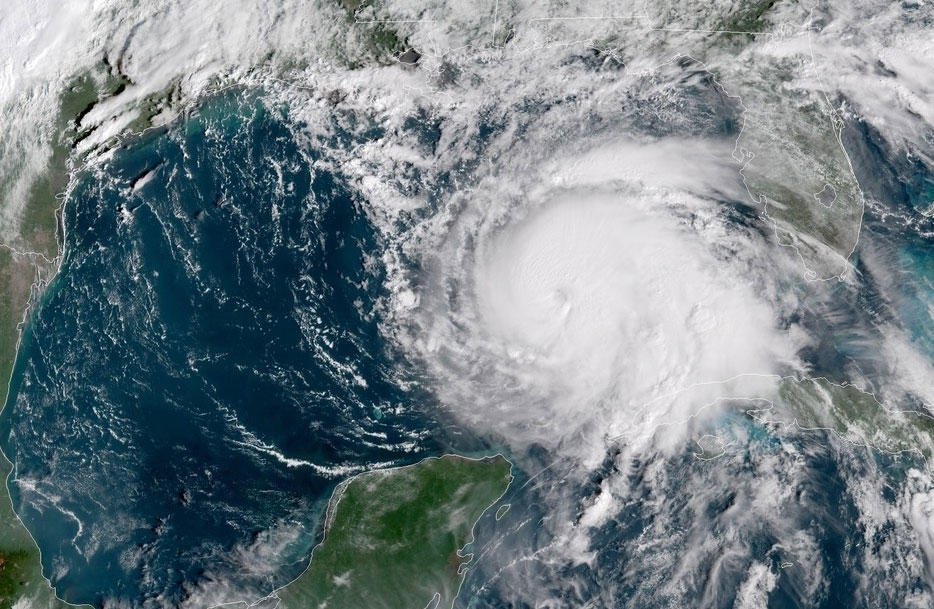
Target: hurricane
{"x":672,"y":260}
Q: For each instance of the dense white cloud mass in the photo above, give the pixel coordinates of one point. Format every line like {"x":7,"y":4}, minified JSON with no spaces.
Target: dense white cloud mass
{"x":615,"y":237}
{"x":595,"y":305}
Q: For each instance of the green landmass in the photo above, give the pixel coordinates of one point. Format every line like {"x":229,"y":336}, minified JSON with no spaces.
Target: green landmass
{"x":748,"y":17}
{"x":383,"y":41}
{"x":39,"y":224}
{"x":17,"y":273}
{"x":394,"y":538}
{"x":790,"y":148}
{"x":151,"y":106}
{"x":31,"y":259}
{"x":21,"y":583}
{"x":854,"y":415}
{"x":386,"y":40}
{"x":792,"y":152}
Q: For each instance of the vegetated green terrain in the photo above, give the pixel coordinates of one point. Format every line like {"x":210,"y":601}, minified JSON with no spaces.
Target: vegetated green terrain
{"x":16,"y":278}
{"x":852,"y":414}
{"x":393,"y":538}
{"x":22,"y":263}
{"x":747,"y":17}
{"x":21,"y":581}
{"x":799,"y":169}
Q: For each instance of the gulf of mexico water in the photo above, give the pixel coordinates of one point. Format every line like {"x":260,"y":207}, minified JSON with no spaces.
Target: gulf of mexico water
{"x":783,"y":518}
{"x":208,"y":365}
{"x":205,"y":367}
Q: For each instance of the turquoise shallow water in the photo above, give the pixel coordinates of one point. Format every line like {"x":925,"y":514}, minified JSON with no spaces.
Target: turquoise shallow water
{"x":206,"y":366}
{"x":916,"y":298}
{"x":689,"y":532}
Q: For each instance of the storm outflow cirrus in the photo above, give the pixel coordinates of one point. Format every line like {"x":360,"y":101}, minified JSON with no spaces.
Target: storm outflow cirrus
{"x":662,"y":270}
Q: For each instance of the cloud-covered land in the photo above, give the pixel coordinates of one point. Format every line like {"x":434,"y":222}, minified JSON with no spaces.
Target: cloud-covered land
{"x":606,"y":234}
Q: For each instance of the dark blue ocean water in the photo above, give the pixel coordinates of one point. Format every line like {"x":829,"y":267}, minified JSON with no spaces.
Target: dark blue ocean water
{"x":686,"y":534}
{"x":898,"y":231}
{"x":207,"y":366}
{"x":204,"y":367}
